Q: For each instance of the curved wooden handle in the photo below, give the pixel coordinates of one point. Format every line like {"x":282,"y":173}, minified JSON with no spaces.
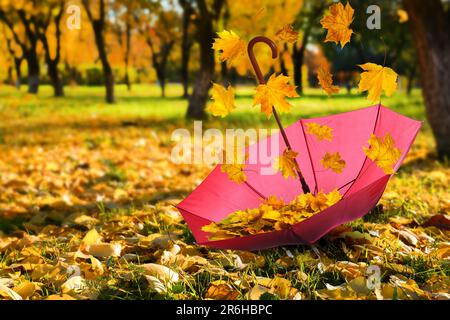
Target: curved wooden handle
{"x":252,"y":57}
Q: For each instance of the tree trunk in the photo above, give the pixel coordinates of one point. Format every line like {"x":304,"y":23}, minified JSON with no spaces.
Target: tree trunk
{"x":33,"y":71}
{"x":297,"y":58}
{"x":429,"y":24}
{"x":185,"y":48}
{"x":127,"y":55}
{"x":17,"y":64}
{"x":57,"y":84}
{"x":107,"y":70}
{"x":161,"y":75}
{"x":411,"y":77}
{"x":199,"y":96}
{"x":224,"y":73}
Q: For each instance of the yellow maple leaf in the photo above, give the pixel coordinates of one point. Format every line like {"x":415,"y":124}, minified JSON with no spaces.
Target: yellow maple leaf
{"x":320,"y":131}
{"x":337,"y":23}
{"x":286,"y":34}
{"x":223,"y":100}
{"x":235,"y":172}
{"x":402,"y":15}
{"x":383,"y":152}
{"x":325,"y":78}
{"x":376,"y":78}
{"x":231,"y":46}
{"x":286,"y":164}
{"x":333,"y":161}
{"x":333,"y":197}
{"x":273,"y":94}
{"x":318,"y":202}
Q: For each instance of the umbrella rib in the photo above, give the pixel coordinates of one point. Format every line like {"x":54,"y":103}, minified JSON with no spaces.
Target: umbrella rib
{"x":309,"y":155}
{"x":254,"y":190}
{"x":365,"y":159}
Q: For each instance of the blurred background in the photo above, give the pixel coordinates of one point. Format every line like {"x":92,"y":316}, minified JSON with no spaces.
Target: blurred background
{"x":155,"y":58}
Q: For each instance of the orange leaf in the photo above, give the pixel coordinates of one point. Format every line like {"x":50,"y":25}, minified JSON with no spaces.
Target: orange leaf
{"x":325,"y":78}
{"x":337,"y":22}
{"x":274,"y":93}
{"x":286,"y":34}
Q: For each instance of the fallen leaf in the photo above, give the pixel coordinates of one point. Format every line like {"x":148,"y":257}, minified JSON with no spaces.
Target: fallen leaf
{"x":25,"y":289}
{"x":163,"y":273}
{"x":221,"y":290}
{"x":104,"y":249}
{"x":333,"y":161}
{"x":321,"y":132}
{"x":383,"y":152}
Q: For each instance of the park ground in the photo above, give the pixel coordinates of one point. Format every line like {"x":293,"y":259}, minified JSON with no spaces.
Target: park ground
{"x":75,"y":170}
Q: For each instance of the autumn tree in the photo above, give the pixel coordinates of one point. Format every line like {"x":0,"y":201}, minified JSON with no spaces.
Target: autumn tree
{"x":54,"y":13}
{"x":96,"y":12}
{"x":123,"y":27}
{"x":186,"y":44}
{"x":17,"y":57}
{"x":306,"y":20}
{"x":158,"y":25}
{"x":207,"y":15}
{"x":429,"y":23}
{"x":22,"y":26}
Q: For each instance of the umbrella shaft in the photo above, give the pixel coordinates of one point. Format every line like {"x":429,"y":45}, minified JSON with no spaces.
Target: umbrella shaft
{"x":305,"y":186}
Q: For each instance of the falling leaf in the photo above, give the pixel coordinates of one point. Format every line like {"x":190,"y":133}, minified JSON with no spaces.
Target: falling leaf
{"x":223,"y":101}
{"x":325,"y":78}
{"x":375,"y":79}
{"x":235,"y":172}
{"x":338,"y":22}
{"x":286,"y":164}
{"x":273,"y":94}
{"x":286,"y":34}
{"x":333,"y":161}
{"x":320,"y":131}
{"x":231,"y":46}
{"x":402,"y":16}
{"x":383,"y":152}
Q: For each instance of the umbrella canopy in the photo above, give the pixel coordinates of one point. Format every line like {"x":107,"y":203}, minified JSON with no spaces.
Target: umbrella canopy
{"x":361,"y":183}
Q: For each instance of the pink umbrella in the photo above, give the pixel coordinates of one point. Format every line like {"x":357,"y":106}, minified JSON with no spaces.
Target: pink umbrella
{"x":361,"y":183}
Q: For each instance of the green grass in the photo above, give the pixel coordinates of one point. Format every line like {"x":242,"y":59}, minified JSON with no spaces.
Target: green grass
{"x":144,"y":101}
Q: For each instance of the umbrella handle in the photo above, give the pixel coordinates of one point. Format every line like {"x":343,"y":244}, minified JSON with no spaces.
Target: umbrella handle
{"x":261,"y":80}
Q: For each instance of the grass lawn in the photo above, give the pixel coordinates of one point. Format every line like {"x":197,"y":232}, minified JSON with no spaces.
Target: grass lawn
{"x":90,"y":187}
